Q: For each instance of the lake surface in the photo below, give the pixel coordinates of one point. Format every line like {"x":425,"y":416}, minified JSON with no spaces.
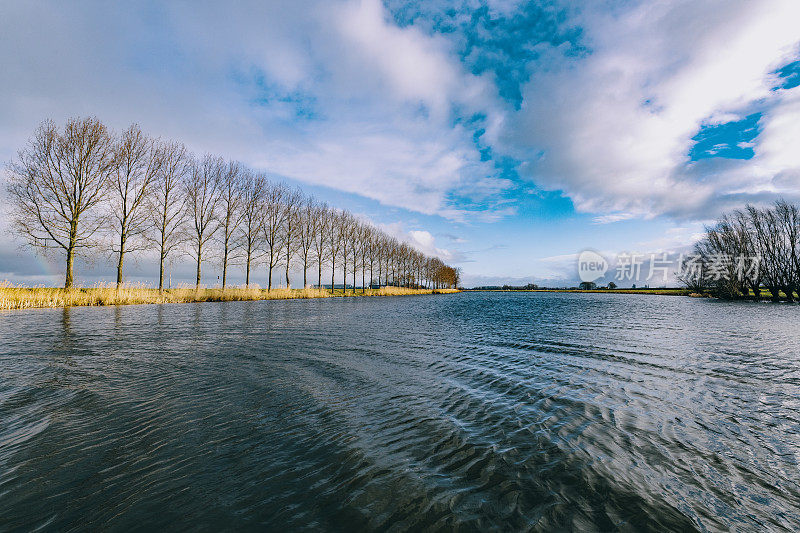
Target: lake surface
{"x":472,"y":411}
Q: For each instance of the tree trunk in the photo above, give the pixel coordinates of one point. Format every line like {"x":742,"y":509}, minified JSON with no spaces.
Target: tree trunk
{"x":789,"y":292}
{"x":344,"y":276}
{"x":121,"y":259}
{"x":305,"y":273}
{"x":247,"y":271}
{"x":70,"y":262}
{"x":224,"y":267}
{"x":163,"y":254}
{"x":333,"y":275}
{"x":288,"y":256}
{"x":269,"y":278}
{"x":161,"y":270}
{"x":199,"y":253}
{"x":319,"y":274}
{"x":756,"y":291}
{"x":775,"y":292}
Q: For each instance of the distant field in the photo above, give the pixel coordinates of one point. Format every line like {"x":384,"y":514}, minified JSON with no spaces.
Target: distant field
{"x":764,"y":293}
{"x":40,"y":297}
{"x":663,"y":292}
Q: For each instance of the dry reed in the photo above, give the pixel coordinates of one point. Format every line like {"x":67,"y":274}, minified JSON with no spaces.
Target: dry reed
{"x":15,"y":297}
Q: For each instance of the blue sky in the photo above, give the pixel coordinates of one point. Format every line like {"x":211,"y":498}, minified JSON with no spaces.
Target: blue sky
{"x":504,"y":136}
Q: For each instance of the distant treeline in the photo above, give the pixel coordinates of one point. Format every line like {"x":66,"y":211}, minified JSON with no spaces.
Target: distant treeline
{"x":747,"y":250}
{"x":528,"y":287}
{"x":84,"y":186}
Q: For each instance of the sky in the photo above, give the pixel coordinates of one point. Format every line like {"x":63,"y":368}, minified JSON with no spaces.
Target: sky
{"x":503,"y":136}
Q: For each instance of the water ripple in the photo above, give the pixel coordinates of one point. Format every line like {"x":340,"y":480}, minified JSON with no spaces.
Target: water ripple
{"x":473,"y":411}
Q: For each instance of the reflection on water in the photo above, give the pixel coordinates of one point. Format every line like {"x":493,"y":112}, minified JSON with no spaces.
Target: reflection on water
{"x":518,"y":411}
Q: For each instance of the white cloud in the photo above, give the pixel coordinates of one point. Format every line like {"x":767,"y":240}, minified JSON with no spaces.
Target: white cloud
{"x":611,"y":218}
{"x":778,"y":145}
{"x":613,"y":129}
{"x":412,"y":66}
{"x":422,"y":238}
{"x":237,"y":79}
{"x":423,"y":241}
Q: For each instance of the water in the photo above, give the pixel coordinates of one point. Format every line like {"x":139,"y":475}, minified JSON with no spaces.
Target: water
{"x":470,"y":411}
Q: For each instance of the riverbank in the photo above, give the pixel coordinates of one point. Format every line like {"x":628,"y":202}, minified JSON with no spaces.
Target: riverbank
{"x":658,"y":292}
{"x":45,"y":297}
{"x":764,"y":295}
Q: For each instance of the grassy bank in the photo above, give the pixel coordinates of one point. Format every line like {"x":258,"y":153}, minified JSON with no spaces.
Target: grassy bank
{"x":12,"y":297}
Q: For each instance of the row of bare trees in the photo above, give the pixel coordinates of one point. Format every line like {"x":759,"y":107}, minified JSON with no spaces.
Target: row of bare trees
{"x":77,"y":188}
{"x":749,"y":249}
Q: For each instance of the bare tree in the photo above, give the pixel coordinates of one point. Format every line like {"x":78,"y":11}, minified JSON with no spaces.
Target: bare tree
{"x":291,"y":229}
{"x":320,"y":247}
{"x":417,"y":261}
{"x":363,"y":238}
{"x":355,"y":248}
{"x":789,"y":217}
{"x":380,"y":252}
{"x":769,"y":237}
{"x":390,"y":247}
{"x":229,"y":213}
{"x":307,"y":230}
{"x":373,"y":249}
{"x":274,"y":219}
{"x":139,"y":160}
{"x":57,"y":184}
{"x":768,"y":243}
{"x":167,"y":204}
{"x":335,"y":238}
{"x":202,"y":195}
{"x":253,"y":190}
{"x":345,"y":229}
{"x":366,"y":254}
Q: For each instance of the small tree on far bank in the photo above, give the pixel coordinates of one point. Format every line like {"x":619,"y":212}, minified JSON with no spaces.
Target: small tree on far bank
{"x":58,"y":182}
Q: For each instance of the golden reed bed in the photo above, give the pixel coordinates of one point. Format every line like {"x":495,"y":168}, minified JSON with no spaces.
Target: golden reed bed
{"x":12,"y":297}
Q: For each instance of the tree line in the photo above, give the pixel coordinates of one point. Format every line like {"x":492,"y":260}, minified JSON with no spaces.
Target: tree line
{"x":748,"y":249}
{"x":84,"y":186}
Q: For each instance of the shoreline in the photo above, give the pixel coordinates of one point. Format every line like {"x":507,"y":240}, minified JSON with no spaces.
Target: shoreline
{"x":650,"y":292}
{"x":12,"y":298}
{"x":765,"y":296}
